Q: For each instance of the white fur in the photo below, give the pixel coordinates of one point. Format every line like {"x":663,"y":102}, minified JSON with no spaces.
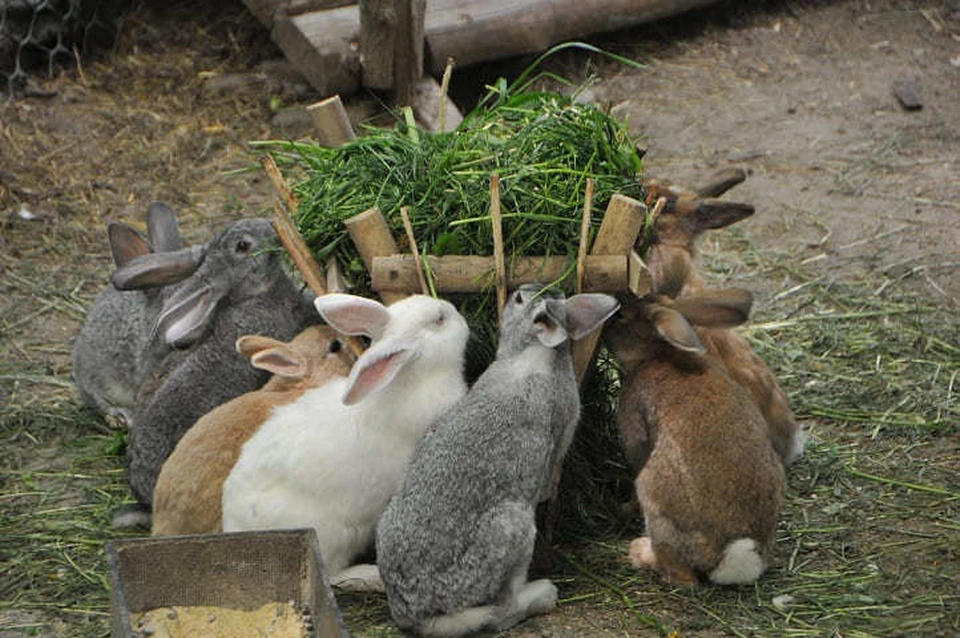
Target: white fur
{"x":740,"y":563}
{"x":333,"y":467}
{"x":797,"y":446}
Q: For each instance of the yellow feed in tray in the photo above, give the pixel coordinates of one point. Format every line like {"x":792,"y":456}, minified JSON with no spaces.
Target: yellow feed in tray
{"x":273,"y":620}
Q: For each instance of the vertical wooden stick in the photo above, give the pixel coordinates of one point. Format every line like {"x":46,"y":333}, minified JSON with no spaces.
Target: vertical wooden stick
{"x":616,"y":236}
{"x":413,"y":249}
{"x":584,"y":233}
{"x":499,"y":265}
{"x":442,"y":102}
{"x":279,"y":184}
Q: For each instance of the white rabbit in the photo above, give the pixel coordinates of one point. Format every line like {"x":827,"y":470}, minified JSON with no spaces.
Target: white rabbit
{"x":332,"y":459}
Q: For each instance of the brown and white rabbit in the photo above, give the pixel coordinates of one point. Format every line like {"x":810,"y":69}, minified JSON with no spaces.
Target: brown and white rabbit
{"x":187,"y":497}
{"x":711,"y":484}
{"x":671,"y":259}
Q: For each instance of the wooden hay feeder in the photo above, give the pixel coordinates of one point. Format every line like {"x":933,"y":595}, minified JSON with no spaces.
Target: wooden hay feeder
{"x":242,"y":571}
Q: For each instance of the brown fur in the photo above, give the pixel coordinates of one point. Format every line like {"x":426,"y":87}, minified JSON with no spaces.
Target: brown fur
{"x":709,"y":474}
{"x":671,"y":260}
{"x":187,"y":497}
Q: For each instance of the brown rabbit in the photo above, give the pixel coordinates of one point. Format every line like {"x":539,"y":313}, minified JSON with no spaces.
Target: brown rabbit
{"x":711,"y":484}
{"x":187,"y":497}
{"x":671,"y":256}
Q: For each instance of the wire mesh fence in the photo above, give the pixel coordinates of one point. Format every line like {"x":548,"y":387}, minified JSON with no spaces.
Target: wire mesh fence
{"x":39,"y":36}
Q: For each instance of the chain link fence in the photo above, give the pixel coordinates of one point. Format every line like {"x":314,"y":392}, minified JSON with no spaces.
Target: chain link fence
{"x":39,"y":36}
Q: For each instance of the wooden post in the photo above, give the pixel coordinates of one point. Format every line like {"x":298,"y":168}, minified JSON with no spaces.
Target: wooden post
{"x":378,"y":30}
{"x":408,"y":49}
{"x":407,"y":226}
{"x":618,"y":232}
{"x":500,"y":268}
{"x":473,"y":274}
{"x":584,"y":234}
{"x":371,"y":236}
{"x":331,"y":122}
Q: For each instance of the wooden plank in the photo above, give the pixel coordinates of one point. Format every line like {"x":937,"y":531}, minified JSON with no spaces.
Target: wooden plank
{"x":408,"y":49}
{"x":263,"y":10}
{"x":378,"y":24}
{"x":323,"y":46}
{"x":471,"y":273}
{"x":618,"y":232}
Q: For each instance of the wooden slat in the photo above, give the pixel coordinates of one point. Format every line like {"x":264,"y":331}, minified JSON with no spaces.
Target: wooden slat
{"x":325,"y":45}
{"x":472,"y":273}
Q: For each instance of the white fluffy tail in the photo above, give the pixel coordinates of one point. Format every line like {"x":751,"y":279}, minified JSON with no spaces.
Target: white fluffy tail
{"x":797,"y":445}
{"x":741,"y":564}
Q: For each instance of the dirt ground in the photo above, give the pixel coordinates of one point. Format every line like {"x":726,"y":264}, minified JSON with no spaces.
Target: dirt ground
{"x":848,"y":183}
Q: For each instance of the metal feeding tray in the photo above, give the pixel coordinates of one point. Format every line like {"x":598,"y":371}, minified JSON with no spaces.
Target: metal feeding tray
{"x":243,"y":570}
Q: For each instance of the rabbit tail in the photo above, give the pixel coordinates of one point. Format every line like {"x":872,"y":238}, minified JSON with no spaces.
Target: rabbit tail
{"x":526,"y":599}
{"x":741,"y":563}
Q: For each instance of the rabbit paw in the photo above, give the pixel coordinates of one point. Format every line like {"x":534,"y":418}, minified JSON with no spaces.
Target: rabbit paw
{"x":641,"y":553}
{"x":359,"y":578}
{"x":538,"y":597}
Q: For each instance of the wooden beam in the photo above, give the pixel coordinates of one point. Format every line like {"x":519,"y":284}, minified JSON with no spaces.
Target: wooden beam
{"x":378,"y":26}
{"x":408,"y":49}
{"x":472,"y":32}
{"x":469,"y":273}
{"x":618,"y":232}
{"x":323,"y":46}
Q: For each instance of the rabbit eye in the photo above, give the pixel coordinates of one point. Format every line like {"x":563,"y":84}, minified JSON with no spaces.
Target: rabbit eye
{"x":335,"y":346}
{"x":439,"y":321}
{"x":244,"y":245}
{"x":518,"y":298}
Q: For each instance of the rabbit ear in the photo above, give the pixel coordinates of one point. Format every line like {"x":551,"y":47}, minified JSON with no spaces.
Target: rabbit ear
{"x":126,"y":244}
{"x":158,"y":269}
{"x":585,"y":313}
{"x":249,"y":345}
{"x":162,"y":228}
{"x":675,"y":330}
{"x":184,"y":322}
{"x":714,"y":213}
{"x":550,"y":323}
{"x":282,"y":361}
{"x":375,"y":369}
{"x":724,"y":308}
{"x":353,"y":315}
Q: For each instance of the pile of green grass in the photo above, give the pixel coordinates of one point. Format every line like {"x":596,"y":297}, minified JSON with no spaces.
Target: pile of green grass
{"x":544,"y":146}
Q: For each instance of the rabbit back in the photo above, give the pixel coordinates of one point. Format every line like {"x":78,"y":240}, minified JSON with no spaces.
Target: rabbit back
{"x":712,"y":478}
{"x":465,"y":516}
{"x":191,"y":382}
{"x":319,"y":463}
{"x":750,"y":371}
{"x":188,"y":494}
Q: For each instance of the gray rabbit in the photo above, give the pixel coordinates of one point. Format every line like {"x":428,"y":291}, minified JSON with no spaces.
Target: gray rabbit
{"x":109,"y":358}
{"x":455,"y":544}
{"x":239,"y":288}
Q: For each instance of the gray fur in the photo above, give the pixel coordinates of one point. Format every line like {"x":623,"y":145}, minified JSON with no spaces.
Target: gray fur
{"x":455,"y":544}
{"x":240,"y":288}
{"x":109,"y":357}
